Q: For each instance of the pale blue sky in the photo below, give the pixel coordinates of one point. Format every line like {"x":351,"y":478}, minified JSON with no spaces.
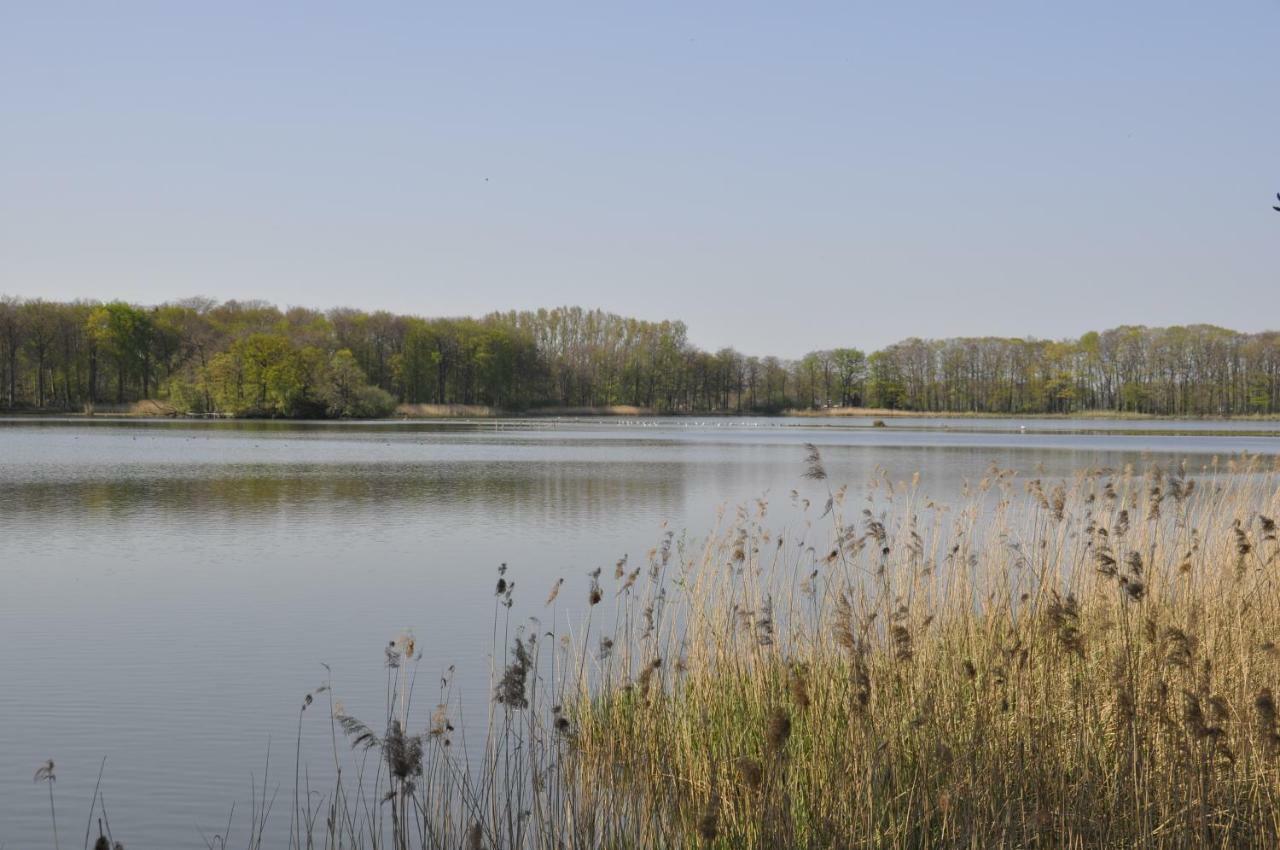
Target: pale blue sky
{"x":781,"y":176}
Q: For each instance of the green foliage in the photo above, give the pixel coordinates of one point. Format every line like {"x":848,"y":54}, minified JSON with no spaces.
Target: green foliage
{"x":123,"y":334}
{"x":348,"y":395}
{"x":249,"y":358}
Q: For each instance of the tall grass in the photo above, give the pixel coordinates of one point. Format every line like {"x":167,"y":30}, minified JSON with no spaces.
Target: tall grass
{"x":1079,"y":663}
{"x":1088,"y":663}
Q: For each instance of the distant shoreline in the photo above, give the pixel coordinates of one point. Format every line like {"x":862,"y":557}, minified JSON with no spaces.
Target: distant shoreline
{"x":878,"y":413}
{"x":428,"y":412}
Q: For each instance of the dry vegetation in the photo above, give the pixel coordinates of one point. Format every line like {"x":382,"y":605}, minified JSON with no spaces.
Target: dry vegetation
{"x":1081,"y":663}
{"x":478,"y":411}
{"x":1087,"y":663}
{"x":441,"y":411}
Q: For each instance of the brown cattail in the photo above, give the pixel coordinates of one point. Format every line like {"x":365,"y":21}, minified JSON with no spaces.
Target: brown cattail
{"x":402,"y":752}
{"x":798,"y":686}
{"x":630,"y":582}
{"x":1036,"y":489}
{"x":1243,"y":546}
{"x":1134,"y":560}
{"x":843,"y":628}
{"x":813,"y":469}
{"x":1058,"y":503}
{"x":1193,"y":716}
{"x":440,"y":721}
{"x":901,"y":638}
{"x":511,"y":689}
{"x":1122,"y":524}
{"x":861,"y":682}
{"x":1265,"y":709}
{"x":646,"y":675}
{"x":779,"y":730}
{"x":1180,"y":648}
{"x":1133,"y":588}
{"x":1064,"y":621}
{"x":751,"y":772}
{"x":709,"y":822}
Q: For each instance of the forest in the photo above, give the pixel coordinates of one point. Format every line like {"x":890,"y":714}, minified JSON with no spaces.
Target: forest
{"x":251,"y":358}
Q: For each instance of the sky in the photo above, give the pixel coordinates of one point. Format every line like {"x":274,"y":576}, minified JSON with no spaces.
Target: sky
{"x":781,"y":176}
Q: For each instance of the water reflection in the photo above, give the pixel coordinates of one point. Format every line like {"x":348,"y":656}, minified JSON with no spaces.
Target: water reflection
{"x":170,"y":588}
{"x":555,"y":493}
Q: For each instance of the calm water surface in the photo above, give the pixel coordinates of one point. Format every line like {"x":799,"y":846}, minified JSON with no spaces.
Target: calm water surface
{"x":169,"y":590}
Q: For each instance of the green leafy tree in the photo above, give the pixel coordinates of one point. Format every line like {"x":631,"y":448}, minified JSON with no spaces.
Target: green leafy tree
{"x":123,"y":333}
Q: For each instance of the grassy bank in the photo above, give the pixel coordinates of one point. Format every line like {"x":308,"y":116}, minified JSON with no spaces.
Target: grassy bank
{"x":1089,"y":662}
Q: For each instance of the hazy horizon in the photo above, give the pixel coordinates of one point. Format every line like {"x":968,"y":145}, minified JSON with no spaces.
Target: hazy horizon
{"x":779,"y":182}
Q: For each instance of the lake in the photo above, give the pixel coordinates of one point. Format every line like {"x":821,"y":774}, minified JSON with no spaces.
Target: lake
{"x":171,"y":589}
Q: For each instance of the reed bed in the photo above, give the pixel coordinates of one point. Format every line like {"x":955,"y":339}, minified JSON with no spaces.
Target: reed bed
{"x":1089,"y":662}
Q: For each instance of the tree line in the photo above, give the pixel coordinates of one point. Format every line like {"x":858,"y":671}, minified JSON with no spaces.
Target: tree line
{"x":250,"y":358}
